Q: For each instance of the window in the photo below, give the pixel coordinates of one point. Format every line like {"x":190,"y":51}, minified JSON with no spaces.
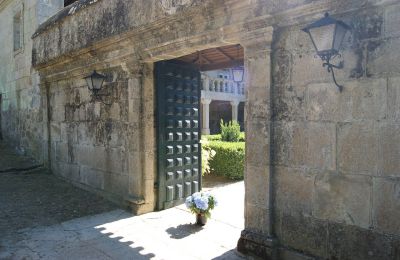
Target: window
{"x":18,"y":31}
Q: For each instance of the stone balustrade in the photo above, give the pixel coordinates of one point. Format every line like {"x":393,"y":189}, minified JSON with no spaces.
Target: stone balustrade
{"x":221,"y":85}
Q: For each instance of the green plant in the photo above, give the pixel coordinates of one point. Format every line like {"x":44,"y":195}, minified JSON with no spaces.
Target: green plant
{"x":228,"y":159}
{"x":206,"y":155}
{"x":213,"y":137}
{"x":230,"y":132}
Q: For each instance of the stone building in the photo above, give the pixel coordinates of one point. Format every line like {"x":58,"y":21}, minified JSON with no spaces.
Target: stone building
{"x":322,"y":166}
{"x":21,"y":101}
{"x":221,"y":98}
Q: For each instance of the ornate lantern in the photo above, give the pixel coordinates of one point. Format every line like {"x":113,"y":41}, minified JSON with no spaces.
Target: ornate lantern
{"x":327,"y":35}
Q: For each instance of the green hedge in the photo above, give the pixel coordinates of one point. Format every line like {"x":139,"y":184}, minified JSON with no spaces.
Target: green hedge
{"x":227,"y":159}
{"x":218,"y":137}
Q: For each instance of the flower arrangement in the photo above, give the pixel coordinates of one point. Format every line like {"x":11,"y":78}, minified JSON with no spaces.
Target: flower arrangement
{"x":201,"y":203}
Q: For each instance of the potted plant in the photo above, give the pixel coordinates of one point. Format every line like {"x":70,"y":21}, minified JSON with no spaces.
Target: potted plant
{"x":201,"y":203}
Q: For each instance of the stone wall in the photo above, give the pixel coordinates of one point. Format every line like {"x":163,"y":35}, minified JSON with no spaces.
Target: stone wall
{"x":336,"y":156}
{"x":21,"y":112}
{"x":322,"y":166}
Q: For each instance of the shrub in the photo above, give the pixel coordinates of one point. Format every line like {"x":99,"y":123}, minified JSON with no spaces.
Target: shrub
{"x":230,"y":132}
{"x":242,"y":137}
{"x":211,"y":137}
{"x":206,"y":155}
{"x":228,"y":159}
{"x":219,"y":138}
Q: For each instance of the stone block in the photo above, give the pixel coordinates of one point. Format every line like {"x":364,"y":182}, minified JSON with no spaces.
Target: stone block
{"x":257,"y":143}
{"x":134,"y":110}
{"x":325,"y":103}
{"x":149,"y":162}
{"x":321,"y":146}
{"x":294,"y":191}
{"x":62,"y":153}
{"x":257,"y":185}
{"x":91,"y":177}
{"x":297,"y":144}
{"x":307,"y":69}
{"x":352,"y":242}
{"x":358,"y":148}
{"x":369,"y":99}
{"x":300,"y":143}
{"x":68,"y":171}
{"x":288,"y":98}
{"x":394,"y":99}
{"x":260,"y":75}
{"x":367,"y":24}
{"x":343,"y":198}
{"x":305,"y":234}
{"x":116,"y":183}
{"x":389,"y":135}
{"x":258,"y":104}
{"x":386,"y":208}
{"x":392,"y":21}
{"x":383,"y":57}
{"x":256,"y":219}
{"x":58,"y":114}
{"x":97,"y":157}
{"x":115,"y":111}
{"x":360,"y":100}
{"x":55,"y":130}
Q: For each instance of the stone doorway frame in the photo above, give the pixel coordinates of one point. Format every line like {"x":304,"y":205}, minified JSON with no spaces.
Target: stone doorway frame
{"x":257,"y":63}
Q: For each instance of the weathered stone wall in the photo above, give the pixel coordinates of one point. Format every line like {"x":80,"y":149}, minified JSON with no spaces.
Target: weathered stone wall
{"x":93,"y":140}
{"x":322,"y":166}
{"x":21,"y":111}
{"x":336,"y":162}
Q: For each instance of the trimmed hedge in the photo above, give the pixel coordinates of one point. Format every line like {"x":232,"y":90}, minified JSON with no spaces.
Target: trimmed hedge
{"x":218,"y":137}
{"x":227,"y":159}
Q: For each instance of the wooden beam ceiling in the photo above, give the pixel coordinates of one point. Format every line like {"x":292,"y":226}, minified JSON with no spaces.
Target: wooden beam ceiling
{"x":215,"y":58}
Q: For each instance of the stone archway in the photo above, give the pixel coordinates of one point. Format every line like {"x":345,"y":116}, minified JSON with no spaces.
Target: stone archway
{"x":257,"y":63}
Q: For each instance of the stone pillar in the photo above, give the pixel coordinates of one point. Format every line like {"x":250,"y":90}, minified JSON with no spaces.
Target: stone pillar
{"x":258,"y":236}
{"x":235,"y":110}
{"x":141,"y":142}
{"x":205,"y":130}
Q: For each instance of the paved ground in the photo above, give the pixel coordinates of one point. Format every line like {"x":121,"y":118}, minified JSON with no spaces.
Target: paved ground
{"x":42,"y":217}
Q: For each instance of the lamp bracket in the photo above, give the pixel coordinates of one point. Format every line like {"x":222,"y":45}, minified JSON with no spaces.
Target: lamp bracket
{"x":96,"y":96}
{"x":330,"y":68}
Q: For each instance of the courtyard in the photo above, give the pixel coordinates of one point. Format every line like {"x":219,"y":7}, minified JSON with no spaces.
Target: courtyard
{"x":43,"y":217}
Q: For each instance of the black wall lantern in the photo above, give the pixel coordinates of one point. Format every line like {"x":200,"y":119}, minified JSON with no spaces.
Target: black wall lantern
{"x":95,"y":83}
{"x":327,"y":35}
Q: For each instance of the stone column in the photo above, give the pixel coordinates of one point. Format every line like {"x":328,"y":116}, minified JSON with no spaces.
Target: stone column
{"x":141,"y":141}
{"x":235,"y":110}
{"x":258,"y":235}
{"x":205,"y":130}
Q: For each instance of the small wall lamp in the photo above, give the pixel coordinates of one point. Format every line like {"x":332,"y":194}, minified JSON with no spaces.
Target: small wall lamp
{"x":95,"y":83}
{"x":327,"y":35}
{"x":237,"y":74}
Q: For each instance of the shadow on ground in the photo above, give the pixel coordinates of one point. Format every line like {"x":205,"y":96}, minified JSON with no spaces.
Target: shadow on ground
{"x":183,"y":231}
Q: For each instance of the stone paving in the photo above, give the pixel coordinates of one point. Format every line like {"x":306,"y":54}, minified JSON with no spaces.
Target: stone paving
{"x":43,"y":217}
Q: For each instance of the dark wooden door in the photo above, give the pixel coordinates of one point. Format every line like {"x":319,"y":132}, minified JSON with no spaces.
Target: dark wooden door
{"x":178,"y":132}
